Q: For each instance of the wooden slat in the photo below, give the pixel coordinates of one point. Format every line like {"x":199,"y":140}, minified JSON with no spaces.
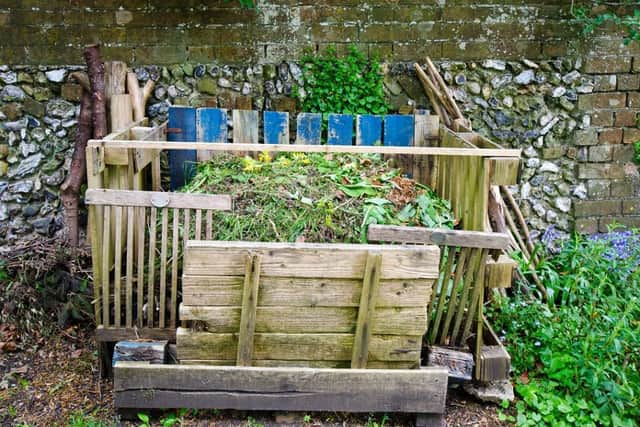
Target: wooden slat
{"x":142,"y":385}
{"x":303,"y":292}
{"x":310,"y":259}
{"x":224,"y":346}
{"x":444,"y":291}
{"x":340,"y":129}
{"x":209,"y":224}
{"x":307,"y":148}
{"x":453,"y":298}
{"x":158,"y":199}
{"x":300,"y":320}
{"x":129,"y":267}
{"x":164,"y":242}
{"x":117,"y":270}
{"x":211,"y":126}
{"x":96,"y":262}
{"x":276,"y":127}
{"x":470,"y":239}
{"x":187,"y":229}
{"x":175,"y":247}
{"x":368,"y":130}
{"x":478,"y":291}
{"x":141,"y":230}
{"x":245,"y":127}
{"x":469,"y":285}
{"x":248,"y":311}
{"x":309,"y":129}
{"x":499,"y":273}
{"x":366,"y":312}
{"x":109,"y":334}
{"x":337,"y":364}
{"x":106,"y":266}
{"x":153,"y":218}
{"x":198,"y":225}
{"x":504,"y":171}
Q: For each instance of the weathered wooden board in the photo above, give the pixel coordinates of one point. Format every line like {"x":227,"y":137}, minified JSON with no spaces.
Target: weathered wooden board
{"x":302,"y":292}
{"x":403,"y":234}
{"x":287,"y":319}
{"x":140,"y":385}
{"x":245,"y":127}
{"x":182,"y":127}
{"x":212,"y":127}
{"x":310,"y":259}
{"x":398,"y":130}
{"x":340,"y":129}
{"x":327,"y":346}
{"x":276,"y":127}
{"x":140,"y":351}
{"x":368,"y":130}
{"x":309,"y":128}
{"x":458,"y":363}
{"x":337,"y":364}
{"x":158,"y":199}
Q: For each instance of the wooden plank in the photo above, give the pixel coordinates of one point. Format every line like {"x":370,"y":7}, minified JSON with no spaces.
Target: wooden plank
{"x":187,"y":230}
{"x":142,"y":385}
{"x":309,"y":131}
{"x":398,"y":130}
{"x":453,"y":298}
{"x":468,"y":286}
{"x":367,"y":310}
{"x":499,"y":272}
{"x":329,"y":346}
{"x":141,"y":230}
{"x":307,"y":148}
{"x":153,"y":218}
{"x":164,"y":242}
{"x":310,"y":259}
{"x":104,"y":334}
{"x":504,"y":171}
{"x":301,"y":320}
{"x":248,"y":311}
{"x":303,"y":292}
{"x":209,"y":224}
{"x":458,"y":363}
{"x":117,"y":270}
{"x":338,"y":364}
{"x":129,"y":268}
{"x":276,"y":127}
{"x":136,"y":351}
{"x":476,"y":300}
{"x":158,"y":199}
{"x":182,"y":127}
{"x":451,"y":254}
{"x":245,"y":127}
{"x":198,"y":225}
{"x":142,"y":158}
{"x":368,"y":129}
{"x":175,"y":246}
{"x":340,"y":129}
{"x":212,"y":127}
{"x":106,"y":265}
{"x":94,"y":229}
{"x":422,"y":235}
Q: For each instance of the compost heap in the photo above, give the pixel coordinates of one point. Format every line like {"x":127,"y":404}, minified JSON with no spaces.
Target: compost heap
{"x":294,"y":197}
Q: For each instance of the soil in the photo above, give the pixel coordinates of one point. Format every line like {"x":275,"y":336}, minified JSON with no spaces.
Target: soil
{"x":55,"y":379}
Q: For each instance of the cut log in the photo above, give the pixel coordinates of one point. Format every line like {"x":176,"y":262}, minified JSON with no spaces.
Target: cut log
{"x":139,"y":96}
{"x":95,"y":69}
{"x":459,"y":363}
{"x":70,"y":188}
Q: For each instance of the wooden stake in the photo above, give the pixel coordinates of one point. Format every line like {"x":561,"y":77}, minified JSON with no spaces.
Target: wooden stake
{"x":139,"y":96}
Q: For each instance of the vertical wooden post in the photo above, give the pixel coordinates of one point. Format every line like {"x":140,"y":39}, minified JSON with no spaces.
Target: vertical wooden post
{"x":366,"y":311}
{"x":249,"y":307}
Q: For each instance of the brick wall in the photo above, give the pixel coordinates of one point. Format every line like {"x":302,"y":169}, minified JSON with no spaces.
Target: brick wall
{"x":174,"y":31}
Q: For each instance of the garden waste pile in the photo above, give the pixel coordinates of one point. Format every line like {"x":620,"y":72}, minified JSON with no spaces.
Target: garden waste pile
{"x":294,"y":197}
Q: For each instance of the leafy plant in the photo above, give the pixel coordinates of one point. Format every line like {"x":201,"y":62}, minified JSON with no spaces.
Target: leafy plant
{"x":598,"y":15}
{"x":144,"y":418}
{"x":576,"y":357}
{"x":636,"y":152}
{"x":80,"y":419}
{"x":350,"y":85}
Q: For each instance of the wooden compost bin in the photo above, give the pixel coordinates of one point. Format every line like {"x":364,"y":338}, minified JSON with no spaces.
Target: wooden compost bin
{"x":140,"y":235}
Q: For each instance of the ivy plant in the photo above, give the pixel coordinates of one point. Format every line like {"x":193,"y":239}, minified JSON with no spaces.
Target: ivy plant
{"x":599,"y":14}
{"x":351,"y":84}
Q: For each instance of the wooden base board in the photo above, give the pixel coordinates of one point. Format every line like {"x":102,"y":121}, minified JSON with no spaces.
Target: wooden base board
{"x":144,"y":386}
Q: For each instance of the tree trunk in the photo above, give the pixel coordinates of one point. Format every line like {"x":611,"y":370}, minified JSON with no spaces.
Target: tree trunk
{"x":70,"y":188}
{"x":95,"y":69}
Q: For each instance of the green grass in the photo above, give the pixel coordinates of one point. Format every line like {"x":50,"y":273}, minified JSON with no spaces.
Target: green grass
{"x":314,"y":197}
{"x":576,"y":358}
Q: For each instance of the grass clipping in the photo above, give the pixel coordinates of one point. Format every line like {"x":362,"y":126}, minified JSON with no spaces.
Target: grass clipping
{"x":314,"y":197}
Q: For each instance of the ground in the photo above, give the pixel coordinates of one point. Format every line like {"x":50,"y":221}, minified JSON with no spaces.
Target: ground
{"x":56,"y":379}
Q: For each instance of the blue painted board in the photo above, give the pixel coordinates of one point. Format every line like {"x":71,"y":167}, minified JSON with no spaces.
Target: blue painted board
{"x":368,"y":130}
{"x":340,"y":129}
{"x":211,"y":125}
{"x":309,"y":128}
{"x":276,"y":127}
{"x":182,"y":163}
{"x":398,"y":130}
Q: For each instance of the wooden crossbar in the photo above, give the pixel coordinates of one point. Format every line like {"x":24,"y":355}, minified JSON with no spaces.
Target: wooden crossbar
{"x":444,"y":237}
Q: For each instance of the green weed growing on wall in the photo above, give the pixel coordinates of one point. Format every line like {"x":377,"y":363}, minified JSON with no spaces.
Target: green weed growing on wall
{"x":601,"y":13}
{"x":350,"y":85}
